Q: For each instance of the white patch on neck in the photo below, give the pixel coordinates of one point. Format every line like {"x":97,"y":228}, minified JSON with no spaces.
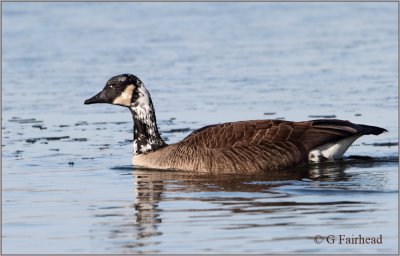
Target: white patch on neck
{"x":142,"y":106}
{"x":143,"y":149}
{"x":126,"y":96}
{"x":144,"y":112}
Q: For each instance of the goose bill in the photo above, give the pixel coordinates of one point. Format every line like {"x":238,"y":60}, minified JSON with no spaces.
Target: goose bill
{"x":98,"y":98}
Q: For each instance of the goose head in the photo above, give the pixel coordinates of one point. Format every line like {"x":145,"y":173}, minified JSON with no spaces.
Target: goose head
{"x":119,"y":90}
{"x":128,"y":91}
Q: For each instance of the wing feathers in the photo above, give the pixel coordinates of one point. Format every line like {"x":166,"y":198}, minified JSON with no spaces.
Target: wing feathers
{"x":255,"y":132}
{"x":270,"y":143}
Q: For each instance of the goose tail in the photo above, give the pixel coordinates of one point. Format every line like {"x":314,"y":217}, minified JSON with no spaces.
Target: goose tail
{"x":335,"y":149}
{"x":369,"y":129}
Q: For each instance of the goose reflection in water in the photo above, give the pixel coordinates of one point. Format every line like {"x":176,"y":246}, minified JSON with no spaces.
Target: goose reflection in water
{"x":160,"y":198}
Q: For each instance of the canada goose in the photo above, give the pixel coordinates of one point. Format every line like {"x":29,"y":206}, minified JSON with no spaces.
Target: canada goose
{"x":245,"y":147}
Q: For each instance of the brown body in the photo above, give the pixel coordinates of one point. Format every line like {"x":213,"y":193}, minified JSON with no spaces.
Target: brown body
{"x":250,"y":147}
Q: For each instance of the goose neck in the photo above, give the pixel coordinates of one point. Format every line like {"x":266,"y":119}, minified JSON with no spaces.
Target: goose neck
{"x":146,"y":137}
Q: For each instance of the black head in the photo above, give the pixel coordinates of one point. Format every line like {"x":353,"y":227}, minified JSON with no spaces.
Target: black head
{"x":118,"y":90}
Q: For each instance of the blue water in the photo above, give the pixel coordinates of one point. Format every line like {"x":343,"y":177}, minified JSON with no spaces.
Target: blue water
{"x":67,"y":183}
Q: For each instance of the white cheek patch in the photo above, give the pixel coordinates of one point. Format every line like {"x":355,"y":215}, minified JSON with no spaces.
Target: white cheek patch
{"x":125,"y":97}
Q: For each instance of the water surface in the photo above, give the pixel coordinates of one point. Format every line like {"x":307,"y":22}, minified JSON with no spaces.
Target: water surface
{"x":68,"y":186}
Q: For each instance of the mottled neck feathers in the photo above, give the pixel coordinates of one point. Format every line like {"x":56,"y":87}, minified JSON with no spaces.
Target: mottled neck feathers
{"x":146,"y":136}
